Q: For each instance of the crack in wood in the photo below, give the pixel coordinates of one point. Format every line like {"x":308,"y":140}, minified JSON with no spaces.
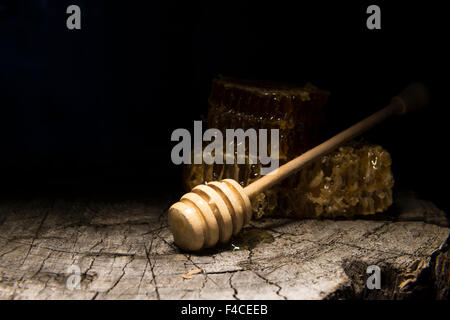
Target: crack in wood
{"x":131,"y":244}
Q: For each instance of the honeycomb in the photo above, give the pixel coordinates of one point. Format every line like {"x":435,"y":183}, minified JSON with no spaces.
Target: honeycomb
{"x":356,"y":179}
{"x":297,"y":111}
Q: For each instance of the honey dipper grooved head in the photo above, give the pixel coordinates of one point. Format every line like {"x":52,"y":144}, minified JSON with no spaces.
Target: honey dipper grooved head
{"x":208,"y":214}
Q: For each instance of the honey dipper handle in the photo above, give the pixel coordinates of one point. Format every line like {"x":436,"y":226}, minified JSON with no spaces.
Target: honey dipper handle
{"x":413,"y":97}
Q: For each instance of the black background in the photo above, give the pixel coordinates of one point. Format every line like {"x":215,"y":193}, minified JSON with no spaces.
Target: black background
{"x":92,"y":110}
{"x":171,"y":309}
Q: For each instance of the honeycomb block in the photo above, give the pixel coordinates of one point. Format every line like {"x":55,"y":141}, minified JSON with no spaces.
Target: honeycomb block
{"x":297,"y":111}
{"x":356,"y":179}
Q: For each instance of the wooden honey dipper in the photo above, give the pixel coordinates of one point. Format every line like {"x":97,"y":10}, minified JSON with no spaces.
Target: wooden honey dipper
{"x":215,"y":211}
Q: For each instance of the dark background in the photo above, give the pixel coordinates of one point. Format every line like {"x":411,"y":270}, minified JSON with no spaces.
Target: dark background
{"x":92,"y":110}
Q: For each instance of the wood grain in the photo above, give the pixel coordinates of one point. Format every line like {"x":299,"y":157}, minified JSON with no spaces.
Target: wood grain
{"x":125,"y":251}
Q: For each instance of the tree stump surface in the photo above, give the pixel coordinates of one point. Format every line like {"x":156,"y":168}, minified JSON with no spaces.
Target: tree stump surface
{"x":124,"y":250}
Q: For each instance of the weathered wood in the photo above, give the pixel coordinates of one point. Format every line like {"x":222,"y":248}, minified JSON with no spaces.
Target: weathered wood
{"x":125,"y":251}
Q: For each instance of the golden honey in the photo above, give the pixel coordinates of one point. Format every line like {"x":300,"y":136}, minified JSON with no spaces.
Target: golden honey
{"x":356,"y":179}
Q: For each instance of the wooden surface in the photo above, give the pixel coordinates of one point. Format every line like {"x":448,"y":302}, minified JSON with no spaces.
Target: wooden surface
{"x":125,"y":251}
